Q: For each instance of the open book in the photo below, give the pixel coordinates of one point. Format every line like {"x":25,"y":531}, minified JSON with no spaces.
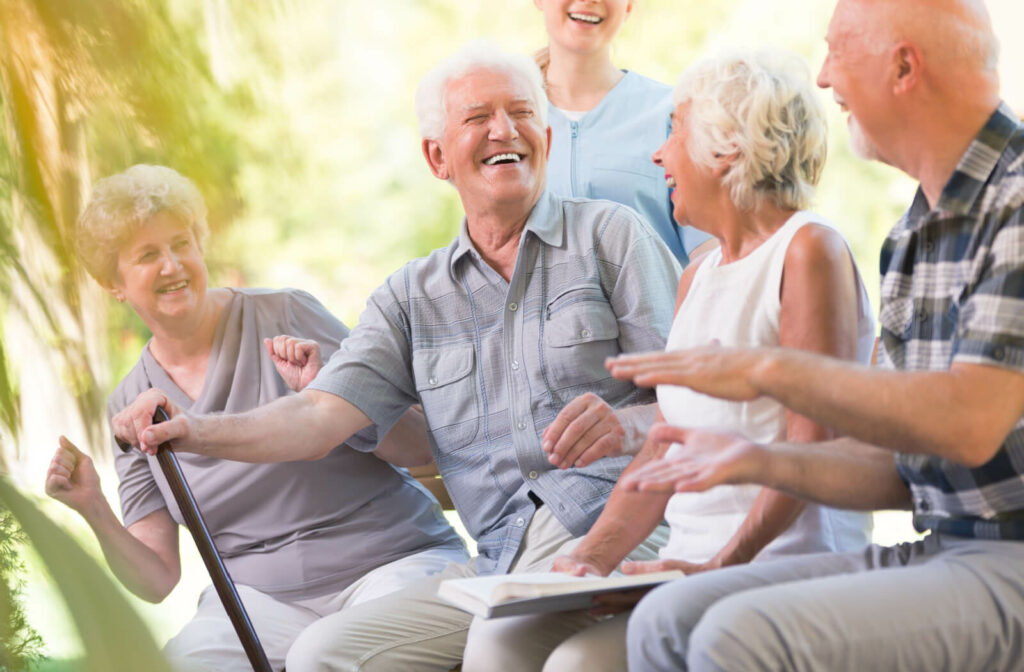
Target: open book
{"x":534,"y":593}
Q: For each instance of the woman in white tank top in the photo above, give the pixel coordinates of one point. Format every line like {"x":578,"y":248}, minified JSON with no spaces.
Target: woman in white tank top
{"x":747,"y":147}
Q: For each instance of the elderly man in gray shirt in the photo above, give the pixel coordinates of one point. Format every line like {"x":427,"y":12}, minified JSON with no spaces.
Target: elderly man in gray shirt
{"x":496,"y":336}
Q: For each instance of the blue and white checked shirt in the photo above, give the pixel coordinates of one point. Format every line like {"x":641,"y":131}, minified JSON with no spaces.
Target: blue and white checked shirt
{"x":493,"y":362}
{"x":953,"y":291}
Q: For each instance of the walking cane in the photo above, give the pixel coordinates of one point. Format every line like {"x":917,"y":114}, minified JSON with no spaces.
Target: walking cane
{"x":211,"y":557}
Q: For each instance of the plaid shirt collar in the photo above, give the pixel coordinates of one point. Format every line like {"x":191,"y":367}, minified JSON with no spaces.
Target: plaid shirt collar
{"x":545,"y":221}
{"x":976,"y":165}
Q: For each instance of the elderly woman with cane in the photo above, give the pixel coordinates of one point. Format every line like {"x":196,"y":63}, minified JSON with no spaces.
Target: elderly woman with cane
{"x":301,"y":539}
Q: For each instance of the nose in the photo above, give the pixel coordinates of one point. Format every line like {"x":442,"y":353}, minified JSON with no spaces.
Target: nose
{"x":503,"y":127}
{"x":172,"y":262}
{"x":823,"y":81}
{"x":657,"y":154}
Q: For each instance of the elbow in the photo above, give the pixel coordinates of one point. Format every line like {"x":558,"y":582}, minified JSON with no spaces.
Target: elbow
{"x":972,"y":448}
{"x":158,"y":592}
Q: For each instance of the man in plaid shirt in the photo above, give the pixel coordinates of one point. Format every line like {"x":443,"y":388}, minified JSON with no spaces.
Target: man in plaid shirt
{"x":937,"y":427}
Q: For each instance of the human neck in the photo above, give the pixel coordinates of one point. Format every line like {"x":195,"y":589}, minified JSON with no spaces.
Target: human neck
{"x":496,"y":237}
{"x":182,"y":342}
{"x":740,"y":232}
{"x":579,"y":81}
{"x":940,"y":134}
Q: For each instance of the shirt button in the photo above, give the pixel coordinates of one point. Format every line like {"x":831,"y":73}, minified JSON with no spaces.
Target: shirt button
{"x":585,"y":333}
{"x":513,"y":306}
{"x":924,"y":505}
{"x":432,"y":380}
{"x":515,"y":364}
{"x":928,"y":245}
{"x":532,"y":475}
{"x":520,"y":522}
{"x":998,"y":352}
{"x":521,"y":425}
{"x":922,"y":315}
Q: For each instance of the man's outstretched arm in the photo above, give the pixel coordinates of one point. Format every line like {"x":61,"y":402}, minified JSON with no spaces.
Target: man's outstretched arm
{"x":962,"y":414}
{"x":305,"y":426}
{"x":842,"y":473}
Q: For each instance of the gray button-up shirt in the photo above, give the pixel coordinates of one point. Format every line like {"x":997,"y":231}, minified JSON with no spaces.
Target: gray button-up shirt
{"x":493,"y":362}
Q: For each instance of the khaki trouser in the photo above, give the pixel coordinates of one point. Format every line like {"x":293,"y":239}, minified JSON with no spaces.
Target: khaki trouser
{"x":416,"y":630}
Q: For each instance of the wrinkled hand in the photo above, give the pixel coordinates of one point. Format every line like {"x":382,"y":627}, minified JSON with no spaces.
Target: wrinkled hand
{"x":134,"y":424}
{"x":634,"y":567}
{"x":71,"y":478}
{"x":569,"y":564}
{"x":297,"y":360}
{"x":586,"y":430}
{"x":708,"y":459}
{"x":725,"y":373}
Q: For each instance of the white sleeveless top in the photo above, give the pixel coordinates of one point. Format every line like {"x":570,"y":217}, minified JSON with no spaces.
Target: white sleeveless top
{"x":739,"y":305}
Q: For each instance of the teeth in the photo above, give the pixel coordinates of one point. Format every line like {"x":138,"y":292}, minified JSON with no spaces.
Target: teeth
{"x":671,"y":182}
{"x":175,"y":287}
{"x":508,"y":156}
{"x":588,"y":18}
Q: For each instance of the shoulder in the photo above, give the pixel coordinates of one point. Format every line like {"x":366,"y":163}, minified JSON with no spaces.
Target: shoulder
{"x":132,"y":385}
{"x":814,"y":246}
{"x":645,"y":85}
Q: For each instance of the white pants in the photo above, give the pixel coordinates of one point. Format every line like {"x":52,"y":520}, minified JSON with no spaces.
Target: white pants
{"x":414,"y":629}
{"x":209,"y":643}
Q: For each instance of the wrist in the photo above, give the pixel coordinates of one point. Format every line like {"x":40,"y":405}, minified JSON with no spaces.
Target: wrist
{"x":765,"y":372}
{"x":95,"y":509}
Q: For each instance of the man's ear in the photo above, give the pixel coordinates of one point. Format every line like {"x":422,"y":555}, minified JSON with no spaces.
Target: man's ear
{"x":434,"y":155}
{"x":906,"y":67}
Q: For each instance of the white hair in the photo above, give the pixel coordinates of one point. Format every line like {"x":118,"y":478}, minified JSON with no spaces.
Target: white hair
{"x":122,"y":203}
{"x":759,"y":106}
{"x":431,"y":112}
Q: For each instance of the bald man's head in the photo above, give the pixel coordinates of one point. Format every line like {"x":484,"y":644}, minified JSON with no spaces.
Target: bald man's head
{"x":950,"y":33}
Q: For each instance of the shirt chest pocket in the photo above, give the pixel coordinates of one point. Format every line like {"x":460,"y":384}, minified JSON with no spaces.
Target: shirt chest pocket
{"x":447,"y":389}
{"x":580,"y":332}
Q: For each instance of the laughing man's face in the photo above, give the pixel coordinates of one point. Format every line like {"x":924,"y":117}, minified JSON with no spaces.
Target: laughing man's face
{"x":494,"y":148}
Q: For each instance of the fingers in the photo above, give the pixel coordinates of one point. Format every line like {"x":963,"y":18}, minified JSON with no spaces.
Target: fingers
{"x":66,"y":444}
{"x":297,"y":351}
{"x":132,"y":420}
{"x":665,"y":476}
{"x":663,"y":432}
{"x":586,"y":430}
{"x":643,"y":566}
{"x":568,"y":565}
{"x":156,"y":435}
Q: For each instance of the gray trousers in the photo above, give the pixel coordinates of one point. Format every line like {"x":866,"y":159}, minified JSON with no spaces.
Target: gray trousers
{"x":414,"y":629}
{"x":942,"y":603}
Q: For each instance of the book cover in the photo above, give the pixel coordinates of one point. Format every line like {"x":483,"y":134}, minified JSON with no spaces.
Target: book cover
{"x":535,"y":593}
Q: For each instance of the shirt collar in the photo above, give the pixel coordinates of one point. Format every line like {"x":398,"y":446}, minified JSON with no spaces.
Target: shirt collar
{"x":976,"y":165}
{"x":545,"y":221}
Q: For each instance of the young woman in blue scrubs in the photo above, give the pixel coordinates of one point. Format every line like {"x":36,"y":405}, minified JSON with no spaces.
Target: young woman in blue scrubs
{"x":605,"y":122}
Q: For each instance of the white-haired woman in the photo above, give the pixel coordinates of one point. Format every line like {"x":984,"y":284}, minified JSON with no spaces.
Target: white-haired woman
{"x":748,"y":145}
{"x":606,"y":122}
{"x":302,"y":539}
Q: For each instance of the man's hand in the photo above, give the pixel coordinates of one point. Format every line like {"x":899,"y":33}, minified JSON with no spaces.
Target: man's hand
{"x":725,"y":373}
{"x":707,"y":459}
{"x":634,"y":567}
{"x":586,"y":430}
{"x":134,"y":424}
{"x":297,"y":360}
{"x":570,"y":564}
{"x":72,"y":479}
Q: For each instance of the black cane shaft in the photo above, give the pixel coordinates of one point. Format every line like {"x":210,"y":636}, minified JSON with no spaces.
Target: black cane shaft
{"x":222,"y":582}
